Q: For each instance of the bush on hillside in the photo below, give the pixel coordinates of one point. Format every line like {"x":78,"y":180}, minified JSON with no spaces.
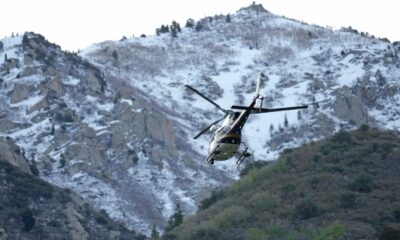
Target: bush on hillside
{"x":306,"y":208}
{"x":363,"y":182}
{"x":215,"y":196}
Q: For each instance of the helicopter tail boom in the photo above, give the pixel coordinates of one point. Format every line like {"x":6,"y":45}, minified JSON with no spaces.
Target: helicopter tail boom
{"x":258,"y":84}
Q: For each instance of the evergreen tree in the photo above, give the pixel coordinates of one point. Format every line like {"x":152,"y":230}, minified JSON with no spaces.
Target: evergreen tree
{"x":271,"y":130}
{"x":299,"y":116}
{"x":164,"y":29}
{"x":286,"y":122}
{"x":25,"y":39}
{"x":154,"y":233}
{"x":176,"y":26}
{"x":189,"y":23}
{"x":199,"y":26}
{"x":62,"y":161}
{"x":52,"y":130}
{"x":228,"y":18}
{"x":174,"y":34}
{"x":115,"y":55}
{"x":176,"y":219}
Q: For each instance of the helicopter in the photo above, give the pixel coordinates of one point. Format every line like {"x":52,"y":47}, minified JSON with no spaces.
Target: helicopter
{"x":226,"y":138}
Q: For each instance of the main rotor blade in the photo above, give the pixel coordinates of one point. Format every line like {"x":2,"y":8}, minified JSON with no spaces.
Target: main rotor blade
{"x":266,"y":110}
{"x":206,"y":98}
{"x":208,"y":128}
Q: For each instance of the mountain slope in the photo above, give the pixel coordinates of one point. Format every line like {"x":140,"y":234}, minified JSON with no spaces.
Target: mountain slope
{"x":94,"y":134}
{"x":115,"y":124}
{"x":31,"y":208}
{"x":345,"y":187}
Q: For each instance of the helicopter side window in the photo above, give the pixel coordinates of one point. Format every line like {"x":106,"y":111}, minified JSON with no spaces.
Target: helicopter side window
{"x":225,"y":129}
{"x":212,"y":139}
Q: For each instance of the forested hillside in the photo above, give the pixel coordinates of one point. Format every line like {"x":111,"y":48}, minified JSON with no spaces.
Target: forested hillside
{"x":345,"y":187}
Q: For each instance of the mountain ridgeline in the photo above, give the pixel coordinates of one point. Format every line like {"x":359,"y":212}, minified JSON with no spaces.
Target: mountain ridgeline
{"x":344,"y":187}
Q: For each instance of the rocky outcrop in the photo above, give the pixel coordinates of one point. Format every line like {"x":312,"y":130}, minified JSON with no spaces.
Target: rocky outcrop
{"x":350,"y":107}
{"x":6,"y":125}
{"x":76,"y":230}
{"x":11,"y":153}
{"x":20,"y":93}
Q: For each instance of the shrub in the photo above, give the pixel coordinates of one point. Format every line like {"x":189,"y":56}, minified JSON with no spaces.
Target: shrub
{"x":342,"y":137}
{"x":363,"y":182}
{"x":396,"y":213}
{"x":255,"y":234}
{"x":287,"y":189}
{"x":262,"y":201}
{"x":215,"y":196}
{"x":102,"y":217}
{"x":332,"y":232}
{"x":251,"y":166}
{"x":347,"y":200}
{"x":205,"y":233}
{"x":314,"y":181}
{"x":233,"y":216}
{"x":306,"y":208}
{"x":65,"y":117}
{"x":28,"y":220}
{"x":364,"y":127}
{"x":176,"y":219}
{"x":390,"y":232}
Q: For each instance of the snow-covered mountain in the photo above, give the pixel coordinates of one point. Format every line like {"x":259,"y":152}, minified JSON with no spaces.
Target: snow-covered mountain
{"x":353,"y":75}
{"x":115,"y":123}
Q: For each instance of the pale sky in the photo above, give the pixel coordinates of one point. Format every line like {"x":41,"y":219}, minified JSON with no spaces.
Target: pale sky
{"x":76,"y":24}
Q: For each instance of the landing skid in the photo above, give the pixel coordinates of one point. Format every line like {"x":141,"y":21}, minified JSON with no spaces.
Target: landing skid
{"x":243,"y":156}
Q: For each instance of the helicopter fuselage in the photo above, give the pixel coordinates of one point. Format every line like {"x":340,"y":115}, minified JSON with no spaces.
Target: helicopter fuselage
{"x":226,"y":140}
{"x":224,"y":146}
